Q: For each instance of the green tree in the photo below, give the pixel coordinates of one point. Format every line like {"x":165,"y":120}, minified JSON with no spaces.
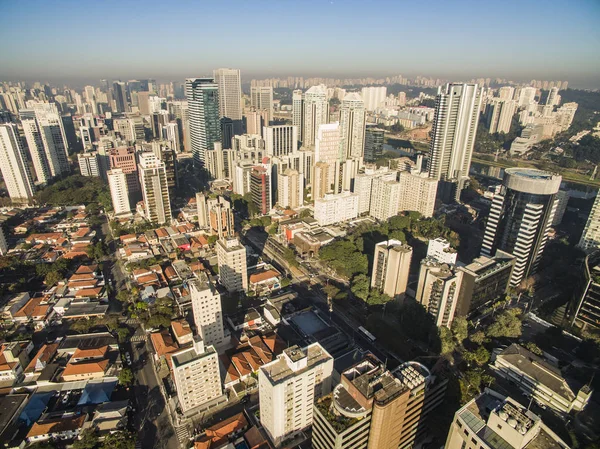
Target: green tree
{"x":289,"y":255}
{"x":285,"y":282}
{"x":52,"y":278}
{"x":42,"y":445}
{"x":305,"y":213}
{"x":533,"y":348}
{"x":360,"y":286}
{"x":331,"y":290}
{"x":87,"y":440}
{"x":447,"y":342}
{"x":460,"y":328}
{"x":506,"y":324}
{"x":376,"y":297}
{"x":212,"y":239}
{"x":125,"y":377}
{"x":119,"y":440}
{"x":479,"y":357}
{"x":478,"y":337}
{"x":122,"y":333}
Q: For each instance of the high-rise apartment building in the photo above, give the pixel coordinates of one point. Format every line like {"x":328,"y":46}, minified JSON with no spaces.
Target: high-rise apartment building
{"x":119,"y":191}
{"x":527,"y":96}
{"x":233,"y":267}
{"x":315,"y":108}
{"x":196,"y":375}
{"x":500,"y":114}
{"x":353,"y":118}
{"x":335,"y":208}
{"x":297,"y":111}
{"x":438,"y":290}
{"x":13,"y":165}
{"x":506,"y":93}
{"x":120,"y":97}
{"x":491,"y":418}
{"x":261,"y":98}
{"x":123,"y":158}
{"x":373,"y":96}
{"x":321,"y":181}
{"x":440,"y":250}
{"x":374,"y":408}
{"x":260,"y":187}
{"x":374,"y":139}
{"x":327,"y":145}
{"x":590,"y":239}
{"x":216,"y":215}
{"x":417,"y":193}
{"x":206,"y":306}
{"x":391,"y":266}
{"x":584,"y":309}
{"x":563,"y":201}
{"x":453,"y":137}
{"x":88,"y":164}
{"x":280,"y":140}
{"x":521,"y":217}
{"x":553,"y":97}
{"x":363,"y":185}
{"x":203,"y":109}
{"x":155,"y":188}
{"x":288,"y":387}
{"x":385,"y":198}
{"x":290,"y":189}
{"x":230,"y":93}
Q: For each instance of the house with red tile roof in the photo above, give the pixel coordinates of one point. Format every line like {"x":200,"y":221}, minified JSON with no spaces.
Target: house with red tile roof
{"x":62,"y":428}
{"x":88,"y":370}
{"x":182,"y":332}
{"x":43,"y":357}
{"x":219,"y":435}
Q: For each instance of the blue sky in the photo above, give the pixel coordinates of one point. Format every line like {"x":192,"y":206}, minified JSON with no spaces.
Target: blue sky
{"x":87,"y":40}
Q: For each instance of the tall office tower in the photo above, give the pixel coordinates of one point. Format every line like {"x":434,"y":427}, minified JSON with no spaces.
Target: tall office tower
{"x":217,"y":215}
{"x":417,"y":193}
{"x":13,"y":165}
{"x":157,"y":121}
{"x":321,"y":182}
{"x":391,"y":265}
{"x":584,"y":309}
{"x":353,"y":118}
{"x":144,"y":102}
{"x":288,"y":387}
{"x":233,"y":268}
{"x":261,"y":98}
{"x":46,"y":139}
{"x":373,"y":97}
{"x":196,"y":375}
{"x":327,"y":146}
{"x":206,"y":305}
{"x":315,"y":110}
{"x":170,"y":132}
{"x":90,"y":97}
{"x":336,"y":208}
{"x":120,"y":97}
{"x":374,"y":139}
{"x":590,"y":239}
{"x":89,"y":164}
{"x":155,"y":189}
{"x":168,"y":157}
{"x":385,"y":197}
{"x":491,"y":418}
{"x":280,"y":140}
{"x":521,"y":217}
{"x":506,"y":93}
{"x":500,"y":114}
{"x":438,"y":290}
{"x":119,"y":191}
{"x":453,"y":136}
{"x":553,"y":97}
{"x":203,"y":105}
{"x":297,"y":111}
{"x":227,"y":132}
{"x":124,"y":158}
{"x":260,"y":187}
{"x":230,"y":93}
{"x":373,"y":408}
{"x":527,"y":96}
{"x":289,"y":189}
{"x":439,"y":249}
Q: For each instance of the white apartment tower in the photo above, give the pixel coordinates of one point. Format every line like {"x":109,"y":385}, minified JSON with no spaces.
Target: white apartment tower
{"x":391,"y":266}
{"x":335,"y":208}
{"x":13,"y":165}
{"x":417,"y":193}
{"x":261,"y":98}
{"x":119,"y":191}
{"x":230,"y":93}
{"x":206,"y":305}
{"x":316,"y":111}
{"x":233,"y":268}
{"x":527,"y":96}
{"x":352,"y":126}
{"x":438,"y":290}
{"x":440,"y":250}
{"x":88,"y":164}
{"x":155,"y":190}
{"x":280,"y":140}
{"x":297,"y":111}
{"x":453,"y":134}
{"x":288,"y":388}
{"x":590,"y":239}
{"x":385,"y":197}
{"x":290,"y":189}
{"x":373,"y":97}
{"x":321,"y":182}
{"x":197,"y":376}
{"x":500,"y":114}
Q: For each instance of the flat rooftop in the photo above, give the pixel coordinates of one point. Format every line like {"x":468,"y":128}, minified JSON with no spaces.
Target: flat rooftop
{"x":279,"y":371}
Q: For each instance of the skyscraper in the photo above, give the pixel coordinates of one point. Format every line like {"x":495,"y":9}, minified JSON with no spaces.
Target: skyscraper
{"x":417,"y":193}
{"x":521,"y":217}
{"x":205,"y":126}
{"x":315,"y":113}
{"x":374,"y":139}
{"x":385,"y":198}
{"x":206,"y":305}
{"x":260,"y":187}
{"x":352,"y":126}
{"x":280,"y":140}
{"x":120,"y":96}
{"x":216,"y":215}
{"x":119,"y":191}
{"x":391,"y":265}
{"x":500,"y":114}
{"x":13,"y":165}
{"x":289,"y":188}
{"x":261,"y":98}
{"x":438,"y":290}
{"x":230,"y":93}
{"x":233,"y":267}
{"x":590,"y":239}
{"x":297,"y":111}
{"x":124,"y":158}
{"x":453,"y":137}
{"x":155,"y":188}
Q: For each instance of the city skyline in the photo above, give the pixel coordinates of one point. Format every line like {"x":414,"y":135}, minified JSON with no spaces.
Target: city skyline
{"x":549,"y":40}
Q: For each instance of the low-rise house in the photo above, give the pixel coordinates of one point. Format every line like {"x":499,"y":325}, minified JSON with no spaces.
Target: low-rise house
{"x":62,"y":428}
{"x":14,"y":304}
{"x":94,"y":369}
{"x":164,"y":346}
{"x":182,"y":332}
{"x":264,"y":280}
{"x":14,"y":357}
{"x":222,"y":434}
{"x":271,"y":314}
{"x":245,"y":319}
{"x":108,"y":417}
{"x":88,"y":309}
{"x":40,"y":361}
{"x":36,"y":310}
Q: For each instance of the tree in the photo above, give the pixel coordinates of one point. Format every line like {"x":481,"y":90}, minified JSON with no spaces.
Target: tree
{"x":460,"y":328}
{"x":478,"y":337}
{"x":360,"y":286}
{"x":507,"y":324}
{"x":305,"y":213}
{"x":122,"y":333}
{"x":88,"y":440}
{"x":331,"y":290}
{"x":376,"y":297}
{"x":52,"y":278}
{"x":42,"y":445}
{"x":480,"y":356}
{"x":290,"y":257}
{"x":531,"y":346}
{"x":125,"y":377}
{"x":446,"y":340}
{"x":119,"y":440}
{"x":285,"y":282}
{"x":212,"y":239}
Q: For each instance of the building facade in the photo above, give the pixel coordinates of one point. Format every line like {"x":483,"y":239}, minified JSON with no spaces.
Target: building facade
{"x":203,"y":109}
{"x":391,"y":266}
{"x":230,"y":93}
{"x":206,"y":306}
{"x":155,"y":189}
{"x":335,"y":208}
{"x":14,"y":167}
{"x":233,"y":267}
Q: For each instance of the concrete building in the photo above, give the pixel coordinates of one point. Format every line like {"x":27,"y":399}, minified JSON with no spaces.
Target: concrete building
{"x":418,"y":193}
{"x":196,"y":375}
{"x":290,"y":189}
{"x":230,"y":93}
{"x":14,"y":166}
{"x":280,"y":140}
{"x":590,"y":239}
{"x":373,"y":97}
{"x":119,"y":92}
{"x":203,"y":109}
{"x":440,"y":250}
{"x":563,"y":200}
{"x":119,"y":191}
{"x":261,"y":98}
{"x":216,"y":215}
{"x":321,"y":181}
{"x":521,"y":217}
{"x":391,"y":266}
{"x":453,"y":137}
{"x":500,"y":114}
{"x":315,"y":113}
{"x":88,"y":164}
{"x":335,"y":208}
{"x":288,"y":387}
{"x":124,"y":158}
{"x":374,"y":140}
{"x":260,"y":187}
{"x":363,"y":185}
{"x":539,"y":379}
{"x":206,"y":306}
{"x":155,"y":189}
{"x":353,"y":119}
{"x":584,"y":309}
{"x":297,"y":111}
{"x":385,"y":198}
{"x":373,"y":408}
{"x":506,"y":93}
{"x":233,"y":268}
{"x":438,"y":290}
{"x":327,"y":147}
{"x":491,"y":420}
{"x":527,"y":96}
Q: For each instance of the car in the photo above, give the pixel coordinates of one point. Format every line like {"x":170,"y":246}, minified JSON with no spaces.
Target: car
{"x":65,"y":398}
{"x":128,"y":358}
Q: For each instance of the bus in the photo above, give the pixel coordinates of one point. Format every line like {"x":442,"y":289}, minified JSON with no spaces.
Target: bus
{"x":368,"y":334}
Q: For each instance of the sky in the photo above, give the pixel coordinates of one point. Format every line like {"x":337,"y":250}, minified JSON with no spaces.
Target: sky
{"x":86,"y":40}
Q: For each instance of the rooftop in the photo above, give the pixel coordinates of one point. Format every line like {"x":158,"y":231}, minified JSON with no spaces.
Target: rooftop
{"x":279,"y":370}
